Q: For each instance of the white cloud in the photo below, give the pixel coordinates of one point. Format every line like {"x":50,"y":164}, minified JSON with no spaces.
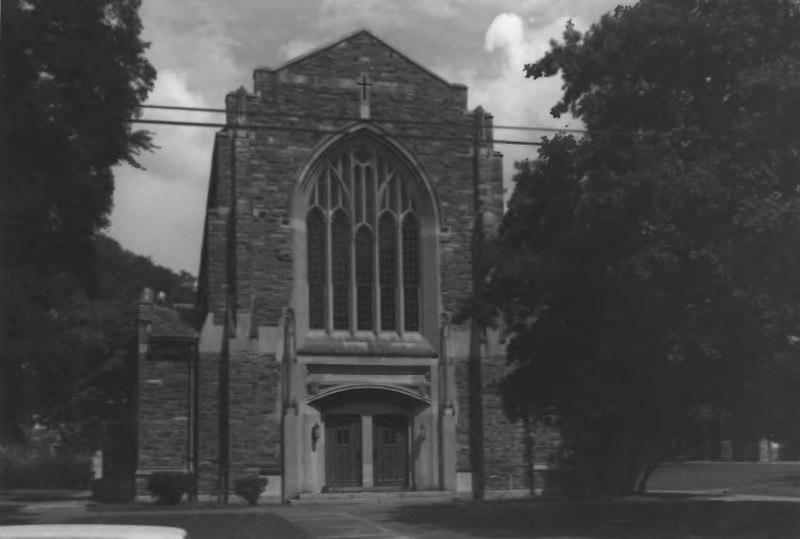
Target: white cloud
{"x":406,"y":14}
{"x":171,"y":89}
{"x":160,"y":219}
{"x":184,"y":151}
{"x":512,"y":99}
{"x":159,"y":211}
{"x":355,"y":13}
{"x":203,"y":49}
{"x":295,"y":48}
{"x":198,"y":39}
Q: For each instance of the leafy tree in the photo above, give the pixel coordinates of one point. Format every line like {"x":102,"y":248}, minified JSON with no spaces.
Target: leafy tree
{"x":82,"y":373}
{"x":73,"y":74}
{"x":648,"y":272}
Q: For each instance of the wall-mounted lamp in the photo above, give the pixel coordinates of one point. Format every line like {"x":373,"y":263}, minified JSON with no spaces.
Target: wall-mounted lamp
{"x":423,"y":433}
{"x":314,"y":436}
{"x":450,"y":409}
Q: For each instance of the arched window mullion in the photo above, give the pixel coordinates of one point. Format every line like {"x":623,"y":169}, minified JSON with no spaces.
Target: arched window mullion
{"x":328,"y":270}
{"x":364,"y":279}
{"x":317,"y":268}
{"x":341,"y":270}
{"x":378,"y":287}
{"x":411,"y":272}
{"x":387,"y":245}
{"x":354,"y":222}
{"x":399,"y":253}
{"x":374,"y":211}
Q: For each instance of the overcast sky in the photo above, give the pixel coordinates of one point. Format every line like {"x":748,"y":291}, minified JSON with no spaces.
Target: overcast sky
{"x":203,"y":49}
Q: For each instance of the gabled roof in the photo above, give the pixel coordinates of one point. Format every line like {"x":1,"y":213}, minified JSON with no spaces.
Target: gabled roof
{"x":357,"y":33}
{"x":167,"y":323}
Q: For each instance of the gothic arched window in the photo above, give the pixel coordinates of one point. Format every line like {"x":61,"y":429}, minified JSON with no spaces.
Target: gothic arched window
{"x":363,"y":246}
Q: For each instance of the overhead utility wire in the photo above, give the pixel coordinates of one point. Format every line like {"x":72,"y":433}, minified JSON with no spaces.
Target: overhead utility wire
{"x":262,"y":127}
{"x":424,"y":122}
{"x":353,"y":119}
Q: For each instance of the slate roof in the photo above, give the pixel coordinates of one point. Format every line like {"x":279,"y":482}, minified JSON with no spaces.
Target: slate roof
{"x":167,"y":323}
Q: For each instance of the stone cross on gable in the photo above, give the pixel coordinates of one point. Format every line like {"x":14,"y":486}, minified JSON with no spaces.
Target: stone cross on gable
{"x":365,"y":95}
{"x":364,"y":85}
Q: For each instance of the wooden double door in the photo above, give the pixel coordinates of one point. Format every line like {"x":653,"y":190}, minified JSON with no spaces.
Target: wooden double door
{"x":344,"y":447}
{"x":343,"y":450}
{"x":390,"y":450}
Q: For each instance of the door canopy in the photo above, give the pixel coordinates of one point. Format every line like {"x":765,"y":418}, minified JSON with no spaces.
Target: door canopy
{"x":400,"y":394}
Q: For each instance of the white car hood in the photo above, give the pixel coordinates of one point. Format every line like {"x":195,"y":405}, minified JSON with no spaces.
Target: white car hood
{"x":90,"y":531}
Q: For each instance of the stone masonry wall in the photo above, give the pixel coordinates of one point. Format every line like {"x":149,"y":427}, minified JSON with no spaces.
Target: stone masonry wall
{"x":462,"y":421}
{"x":506,"y":444}
{"x":255,"y":420}
{"x":547,"y":455}
{"x":306,"y":95}
{"x":208,"y":421}
{"x":163,"y":414}
{"x":215,"y":271}
{"x":247,"y":266}
{"x":490,"y":189}
{"x":507,"y":453}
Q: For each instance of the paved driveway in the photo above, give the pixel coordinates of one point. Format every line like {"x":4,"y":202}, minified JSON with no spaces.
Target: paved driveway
{"x":360,"y":522}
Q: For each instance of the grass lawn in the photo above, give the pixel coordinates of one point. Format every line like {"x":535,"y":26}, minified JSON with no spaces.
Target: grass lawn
{"x":42,"y":495}
{"x":11,"y":513}
{"x":649,"y":518}
{"x":767,"y":478}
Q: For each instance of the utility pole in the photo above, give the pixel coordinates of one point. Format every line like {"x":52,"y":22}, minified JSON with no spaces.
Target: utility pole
{"x":2,"y":2}
{"x":475,"y":375}
{"x":229,"y":331}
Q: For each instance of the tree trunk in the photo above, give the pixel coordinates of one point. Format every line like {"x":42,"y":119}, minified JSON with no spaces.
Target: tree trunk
{"x":653,"y":456}
{"x":650,"y":455}
{"x":640,"y":486}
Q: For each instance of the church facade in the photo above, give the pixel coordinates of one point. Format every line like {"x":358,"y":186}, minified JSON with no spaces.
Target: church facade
{"x":347,"y":195}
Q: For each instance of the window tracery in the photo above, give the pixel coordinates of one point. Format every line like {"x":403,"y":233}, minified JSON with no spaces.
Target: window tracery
{"x":363,"y":246}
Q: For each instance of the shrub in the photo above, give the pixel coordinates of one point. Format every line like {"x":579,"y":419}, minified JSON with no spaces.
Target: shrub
{"x":249,"y":487}
{"x":169,"y":487}
{"x":18,"y":470}
{"x":105,"y":490}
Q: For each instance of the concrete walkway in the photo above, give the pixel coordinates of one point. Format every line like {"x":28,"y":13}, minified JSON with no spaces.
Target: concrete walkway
{"x":341,"y":523}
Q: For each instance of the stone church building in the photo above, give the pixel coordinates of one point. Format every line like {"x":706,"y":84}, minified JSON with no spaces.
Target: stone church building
{"x":346,"y":194}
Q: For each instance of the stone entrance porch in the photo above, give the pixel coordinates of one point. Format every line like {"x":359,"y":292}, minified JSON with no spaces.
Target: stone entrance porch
{"x":367,"y":427}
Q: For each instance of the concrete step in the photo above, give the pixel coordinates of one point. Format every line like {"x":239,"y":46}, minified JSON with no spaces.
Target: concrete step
{"x":367,"y":497}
